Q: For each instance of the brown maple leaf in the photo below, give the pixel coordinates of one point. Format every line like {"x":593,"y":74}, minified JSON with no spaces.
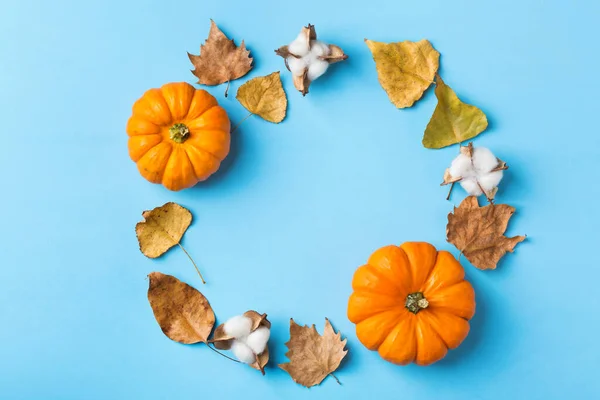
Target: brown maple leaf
{"x":312,"y":356}
{"x":478,"y":232}
{"x":220,"y":60}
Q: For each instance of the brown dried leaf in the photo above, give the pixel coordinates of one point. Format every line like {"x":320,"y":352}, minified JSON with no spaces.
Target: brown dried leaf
{"x":265,"y":97}
{"x":222,"y":341}
{"x":182,"y":312}
{"x":163,"y":228}
{"x":220,"y":60}
{"x":312,"y":356}
{"x":405,"y":69}
{"x":478,"y":232}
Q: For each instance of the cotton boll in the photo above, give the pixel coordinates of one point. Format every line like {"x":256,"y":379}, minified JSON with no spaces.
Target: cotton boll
{"x":484,"y":160}
{"x":461,"y":167}
{"x":297,"y":65}
{"x":299,"y":46}
{"x":242,"y":352}
{"x":319,"y":49}
{"x":238,"y":326}
{"x":471,"y":187}
{"x":316,"y":69}
{"x":257,"y":340}
{"x":490,"y":180}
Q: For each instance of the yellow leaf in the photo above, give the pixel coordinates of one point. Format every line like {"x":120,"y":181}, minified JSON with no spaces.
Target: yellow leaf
{"x":405,"y":69}
{"x":182,"y":312}
{"x":163,"y":228}
{"x":264,"y":96}
{"x":312,"y":356}
{"x":452,"y":121}
{"x":220,"y":60}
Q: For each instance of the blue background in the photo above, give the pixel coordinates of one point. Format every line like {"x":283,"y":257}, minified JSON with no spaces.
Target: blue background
{"x":297,"y":206}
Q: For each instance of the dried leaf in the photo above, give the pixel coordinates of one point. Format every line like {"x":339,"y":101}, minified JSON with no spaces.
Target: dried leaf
{"x":405,"y":69}
{"x":452,"y":121}
{"x":163,"y":228}
{"x":264,"y":96}
{"x":182,"y":312}
{"x":223,"y":342}
{"x":220,"y":60}
{"x":312,"y":356}
{"x":478,"y":232}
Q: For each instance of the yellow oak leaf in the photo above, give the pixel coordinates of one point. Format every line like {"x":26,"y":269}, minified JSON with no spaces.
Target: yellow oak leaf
{"x":182,"y":312}
{"x":313,"y":357}
{"x":452,"y":121}
{"x":163,"y":228}
{"x":478,"y":232}
{"x":265,"y":97}
{"x":405,"y":69}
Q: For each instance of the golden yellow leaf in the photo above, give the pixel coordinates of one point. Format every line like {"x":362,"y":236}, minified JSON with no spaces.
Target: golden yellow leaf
{"x":405,"y":69}
{"x":452,"y":121}
{"x":223,"y":342}
{"x":182,"y":312}
{"x":220,"y":60}
{"x":264,"y":96}
{"x":478,"y":232}
{"x":312,"y":356}
{"x":163,"y":228}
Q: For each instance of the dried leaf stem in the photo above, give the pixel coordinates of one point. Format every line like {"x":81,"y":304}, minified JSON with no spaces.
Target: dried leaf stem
{"x":336,"y":379}
{"x":192,"y":260}
{"x":242,"y":120}
{"x":224,"y":355}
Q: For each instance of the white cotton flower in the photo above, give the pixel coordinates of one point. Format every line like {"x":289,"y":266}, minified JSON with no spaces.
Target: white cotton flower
{"x":300,"y":45}
{"x":484,"y":160}
{"x":316,"y":69}
{"x":319,"y":49}
{"x":257,"y":340}
{"x":474,"y":168}
{"x":242,"y":352}
{"x":238,"y":326}
{"x":297,"y":65}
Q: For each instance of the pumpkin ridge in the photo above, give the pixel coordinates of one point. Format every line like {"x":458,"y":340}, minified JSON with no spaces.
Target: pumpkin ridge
{"x":376,"y":271}
{"x":171,"y":155}
{"x":433,"y":328}
{"x":186,"y":149}
{"x":141,"y":162}
{"x":149,"y":148}
{"x":196,"y":132}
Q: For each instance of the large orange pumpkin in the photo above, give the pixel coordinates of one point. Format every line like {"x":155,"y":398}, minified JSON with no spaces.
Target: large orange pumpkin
{"x":178,"y":135}
{"x":411,"y":303}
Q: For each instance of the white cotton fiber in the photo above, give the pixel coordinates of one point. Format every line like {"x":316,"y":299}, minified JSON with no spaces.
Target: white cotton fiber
{"x":319,"y":49}
{"x":471,"y":187}
{"x":242,"y":352}
{"x":299,"y":46}
{"x":490,"y":180}
{"x":238,"y":326}
{"x":484,"y":160}
{"x":257,"y":340}
{"x":297,"y":65}
{"x":316,"y":69}
{"x":461,"y":167}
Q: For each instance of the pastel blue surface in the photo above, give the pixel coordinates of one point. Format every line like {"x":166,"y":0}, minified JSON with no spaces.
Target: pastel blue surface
{"x":297,"y":206}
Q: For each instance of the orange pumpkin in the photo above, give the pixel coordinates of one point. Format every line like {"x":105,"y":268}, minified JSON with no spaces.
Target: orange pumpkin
{"x":411,"y":303}
{"x":178,"y":135}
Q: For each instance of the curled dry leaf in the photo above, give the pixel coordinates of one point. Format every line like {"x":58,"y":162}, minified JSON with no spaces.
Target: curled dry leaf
{"x":265,"y":97}
{"x":478,"y":232}
{"x":405,"y":69}
{"x":182,"y":312}
{"x":308,"y":58}
{"x":220,"y":60}
{"x":452,"y":121}
{"x":163,"y":228}
{"x":222,"y":341}
{"x":312,"y":356}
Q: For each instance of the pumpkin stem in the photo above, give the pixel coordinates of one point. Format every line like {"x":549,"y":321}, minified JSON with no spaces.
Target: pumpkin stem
{"x":179,"y":133}
{"x":415,"y":302}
